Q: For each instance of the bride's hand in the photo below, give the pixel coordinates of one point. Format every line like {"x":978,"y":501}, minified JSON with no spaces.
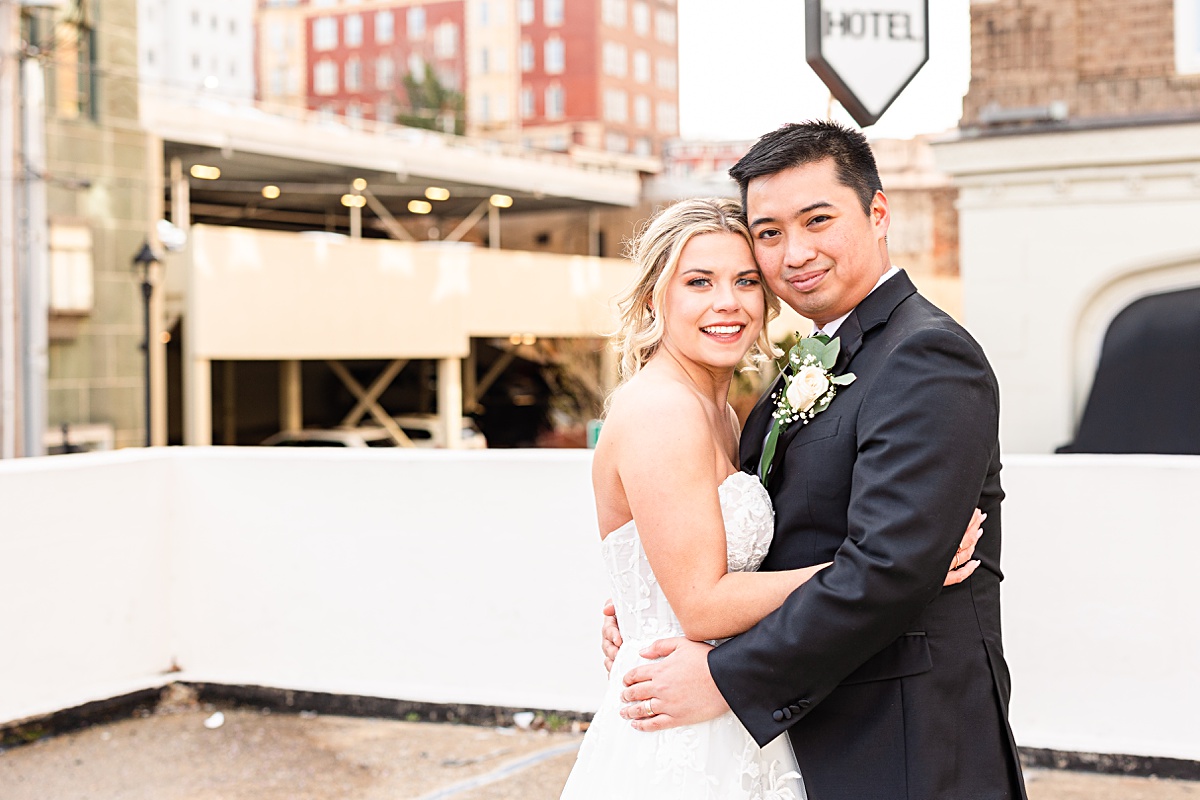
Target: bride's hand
{"x":962,"y":566}
{"x":610,"y":635}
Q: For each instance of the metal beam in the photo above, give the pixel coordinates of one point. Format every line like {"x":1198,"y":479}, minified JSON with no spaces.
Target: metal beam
{"x":487,"y":380}
{"x":374,"y":391}
{"x":393,"y":227}
{"x":388,"y":424}
{"x":470,"y":222}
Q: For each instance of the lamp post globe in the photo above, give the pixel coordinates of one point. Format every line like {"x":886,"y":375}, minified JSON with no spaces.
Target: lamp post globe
{"x":142,"y":263}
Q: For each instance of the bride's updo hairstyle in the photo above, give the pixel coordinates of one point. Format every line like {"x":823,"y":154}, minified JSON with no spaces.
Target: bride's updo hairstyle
{"x":655,"y":252}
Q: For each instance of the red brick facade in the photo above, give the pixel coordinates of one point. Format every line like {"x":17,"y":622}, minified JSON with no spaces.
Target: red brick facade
{"x":1103,"y":58}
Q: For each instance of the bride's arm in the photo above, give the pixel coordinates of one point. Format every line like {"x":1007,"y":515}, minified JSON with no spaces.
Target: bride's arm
{"x":668,"y":473}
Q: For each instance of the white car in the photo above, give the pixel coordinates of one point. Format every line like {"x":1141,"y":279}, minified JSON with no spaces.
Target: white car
{"x":423,"y":430}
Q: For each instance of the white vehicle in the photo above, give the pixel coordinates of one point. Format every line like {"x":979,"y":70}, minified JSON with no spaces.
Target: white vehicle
{"x":423,"y":430}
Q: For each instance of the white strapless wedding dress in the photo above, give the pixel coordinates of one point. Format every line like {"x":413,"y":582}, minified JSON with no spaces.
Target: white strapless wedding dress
{"x":715,"y":759}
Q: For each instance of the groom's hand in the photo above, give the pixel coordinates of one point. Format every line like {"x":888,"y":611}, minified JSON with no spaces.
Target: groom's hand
{"x":678,"y":686}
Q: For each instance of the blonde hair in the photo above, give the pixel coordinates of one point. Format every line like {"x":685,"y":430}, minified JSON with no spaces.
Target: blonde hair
{"x":656,"y":252}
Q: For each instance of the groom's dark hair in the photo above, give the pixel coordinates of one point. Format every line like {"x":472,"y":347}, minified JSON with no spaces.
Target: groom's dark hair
{"x":799,"y":143}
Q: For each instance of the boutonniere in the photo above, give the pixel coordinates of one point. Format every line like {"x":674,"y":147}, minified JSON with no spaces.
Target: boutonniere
{"x":809,"y":386}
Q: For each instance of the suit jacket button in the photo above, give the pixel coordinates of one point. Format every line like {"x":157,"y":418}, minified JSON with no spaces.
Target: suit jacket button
{"x":795,"y":707}
{"x":787,"y":713}
{"x":777,"y":716}
{"x":804,"y":703}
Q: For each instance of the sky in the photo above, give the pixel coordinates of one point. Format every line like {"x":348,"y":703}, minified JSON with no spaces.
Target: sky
{"x":743,"y":74}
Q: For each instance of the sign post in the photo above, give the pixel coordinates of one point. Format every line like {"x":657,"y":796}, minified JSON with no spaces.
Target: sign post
{"x":866,"y":51}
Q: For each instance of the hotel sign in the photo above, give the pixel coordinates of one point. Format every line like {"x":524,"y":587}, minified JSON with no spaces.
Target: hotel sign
{"x":866,"y":51}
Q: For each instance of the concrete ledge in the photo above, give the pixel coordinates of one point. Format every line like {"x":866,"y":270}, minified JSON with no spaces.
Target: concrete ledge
{"x":290,"y":701}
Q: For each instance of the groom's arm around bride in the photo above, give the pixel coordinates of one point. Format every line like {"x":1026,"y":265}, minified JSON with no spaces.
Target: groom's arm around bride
{"x":889,"y":685}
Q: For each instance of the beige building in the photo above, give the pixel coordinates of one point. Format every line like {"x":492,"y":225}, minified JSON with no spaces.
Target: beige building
{"x":1078,"y":171}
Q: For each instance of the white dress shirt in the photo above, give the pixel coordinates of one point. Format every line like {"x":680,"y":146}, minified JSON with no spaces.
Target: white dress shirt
{"x":831,"y":329}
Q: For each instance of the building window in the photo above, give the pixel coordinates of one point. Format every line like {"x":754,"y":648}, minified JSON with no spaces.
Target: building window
{"x":354,"y":30}
{"x":71,"y":283}
{"x":75,"y":78}
{"x":445,"y":40}
{"x":642,"y":147}
{"x":666,"y":77}
{"x":485,"y":108}
{"x":614,"y":13}
{"x":552,"y":12}
{"x":616,"y":105}
{"x":641,"y":111}
{"x":667,"y":121}
{"x":277,"y":36}
{"x":353,"y":75}
{"x":528,"y":57}
{"x":527,"y":103}
{"x":325,"y":33}
{"x":484,"y":61}
{"x":664,"y":26}
{"x":1187,"y":37}
{"x":385,"y":27}
{"x":556,"y":102}
{"x":616,"y":60}
{"x":416,"y":66}
{"x":641,"y":19}
{"x":641,"y":66}
{"x":385,"y":73}
{"x":555,"y":56}
{"x":385,"y":111}
{"x":483,"y":14}
{"x":325,"y":77}
{"x":416,"y":23}
{"x":525,"y":12}
{"x":616,"y":143}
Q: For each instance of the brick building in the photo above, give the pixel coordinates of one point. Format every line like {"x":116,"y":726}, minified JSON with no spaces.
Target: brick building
{"x":594,"y":74}
{"x":1091,"y":59}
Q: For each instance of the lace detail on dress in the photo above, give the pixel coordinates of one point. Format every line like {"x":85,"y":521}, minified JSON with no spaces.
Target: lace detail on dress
{"x":715,"y":759}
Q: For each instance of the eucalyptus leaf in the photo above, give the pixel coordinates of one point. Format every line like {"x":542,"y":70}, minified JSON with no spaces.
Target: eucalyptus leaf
{"x":843,"y":380}
{"x":768,"y":453}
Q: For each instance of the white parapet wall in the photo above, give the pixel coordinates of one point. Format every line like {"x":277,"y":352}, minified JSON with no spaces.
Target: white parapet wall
{"x":474,"y":577}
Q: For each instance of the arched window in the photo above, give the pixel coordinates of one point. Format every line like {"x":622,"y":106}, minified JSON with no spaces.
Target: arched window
{"x":1144,"y":396}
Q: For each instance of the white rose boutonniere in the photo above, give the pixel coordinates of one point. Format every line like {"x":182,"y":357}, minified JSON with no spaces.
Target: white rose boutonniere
{"x":808,"y":389}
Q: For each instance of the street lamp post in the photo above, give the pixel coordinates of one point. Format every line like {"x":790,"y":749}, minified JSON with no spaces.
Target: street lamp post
{"x":143,"y":262}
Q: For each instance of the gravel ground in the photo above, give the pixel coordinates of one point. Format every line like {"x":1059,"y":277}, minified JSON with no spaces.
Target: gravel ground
{"x":172,"y":755}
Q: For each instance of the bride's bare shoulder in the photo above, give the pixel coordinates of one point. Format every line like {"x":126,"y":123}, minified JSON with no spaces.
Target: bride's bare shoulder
{"x":649,"y":399}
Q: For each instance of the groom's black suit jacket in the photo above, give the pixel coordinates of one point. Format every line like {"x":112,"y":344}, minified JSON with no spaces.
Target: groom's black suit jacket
{"x":891,"y":687}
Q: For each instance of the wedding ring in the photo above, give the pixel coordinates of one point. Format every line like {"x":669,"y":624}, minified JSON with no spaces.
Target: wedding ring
{"x":646,"y":705}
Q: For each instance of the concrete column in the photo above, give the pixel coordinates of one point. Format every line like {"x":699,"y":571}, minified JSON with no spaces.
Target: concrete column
{"x":470,"y":379}
{"x":593,"y":232}
{"x":450,"y":399}
{"x":493,"y":228}
{"x":197,"y":400}
{"x":181,"y":197}
{"x":291,"y":403}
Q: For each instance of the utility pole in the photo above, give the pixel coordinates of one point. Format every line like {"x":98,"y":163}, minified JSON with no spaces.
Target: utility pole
{"x":35,"y":276}
{"x":10,"y":43}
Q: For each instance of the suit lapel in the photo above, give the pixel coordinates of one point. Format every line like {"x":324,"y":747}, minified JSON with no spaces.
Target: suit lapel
{"x":755,"y":429}
{"x":872,"y":312}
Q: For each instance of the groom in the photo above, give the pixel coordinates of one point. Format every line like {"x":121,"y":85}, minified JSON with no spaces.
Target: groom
{"x":891,"y":687}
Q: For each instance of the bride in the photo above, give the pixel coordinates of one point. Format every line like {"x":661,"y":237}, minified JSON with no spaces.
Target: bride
{"x":685,"y":529}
